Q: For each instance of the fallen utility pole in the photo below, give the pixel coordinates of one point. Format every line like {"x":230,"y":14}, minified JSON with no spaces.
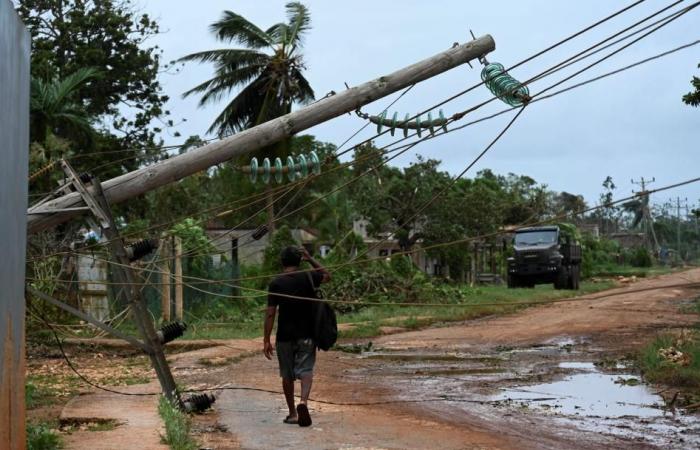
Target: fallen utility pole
{"x":132,"y":184}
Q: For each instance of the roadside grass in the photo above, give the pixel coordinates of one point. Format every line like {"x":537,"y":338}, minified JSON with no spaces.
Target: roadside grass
{"x":657,"y":369}
{"x":684,"y":373}
{"x":42,"y":436}
{"x":177,"y":426}
{"x":460,"y":303}
{"x":613,"y":270}
{"x":465,"y":305}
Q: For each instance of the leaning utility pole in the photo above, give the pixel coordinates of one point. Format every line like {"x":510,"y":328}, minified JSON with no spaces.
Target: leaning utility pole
{"x":132,"y":184}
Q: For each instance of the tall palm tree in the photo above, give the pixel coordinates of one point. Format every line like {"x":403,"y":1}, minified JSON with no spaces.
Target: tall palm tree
{"x":268,"y":70}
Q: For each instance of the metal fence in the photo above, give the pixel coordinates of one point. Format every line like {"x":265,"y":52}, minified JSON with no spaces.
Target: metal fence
{"x":14,"y":132}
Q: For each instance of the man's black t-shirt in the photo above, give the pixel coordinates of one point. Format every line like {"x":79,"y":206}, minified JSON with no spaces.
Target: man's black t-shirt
{"x":295,"y":315}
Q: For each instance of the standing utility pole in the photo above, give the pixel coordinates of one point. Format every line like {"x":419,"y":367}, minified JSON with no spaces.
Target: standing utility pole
{"x":647,"y":222}
{"x":132,"y":184}
{"x":178,"y":278}
{"x":678,"y":230}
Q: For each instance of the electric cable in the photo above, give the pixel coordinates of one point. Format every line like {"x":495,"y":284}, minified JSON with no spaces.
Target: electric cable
{"x":561,"y":216}
{"x":551,"y":47}
{"x":444,"y":398}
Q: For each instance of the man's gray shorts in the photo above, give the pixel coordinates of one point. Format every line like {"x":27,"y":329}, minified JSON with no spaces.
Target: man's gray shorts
{"x":296,"y":358}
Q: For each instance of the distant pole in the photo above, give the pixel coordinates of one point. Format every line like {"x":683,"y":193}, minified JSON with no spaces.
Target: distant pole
{"x":165,"y":280}
{"x":178,"y":278}
{"x":647,"y":222}
{"x":678,"y":229}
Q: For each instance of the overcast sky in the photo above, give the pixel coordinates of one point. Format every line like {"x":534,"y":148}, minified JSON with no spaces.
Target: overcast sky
{"x":627,"y":126}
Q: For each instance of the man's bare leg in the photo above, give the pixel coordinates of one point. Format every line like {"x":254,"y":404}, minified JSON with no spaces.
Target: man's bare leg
{"x":306,"y":382}
{"x":288,"y":387}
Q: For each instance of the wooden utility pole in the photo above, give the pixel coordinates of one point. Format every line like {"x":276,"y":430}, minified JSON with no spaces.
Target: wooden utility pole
{"x":132,"y":184}
{"x":178,"y":278}
{"x":678,"y":229}
{"x":97,"y":202}
{"x":647,"y":221}
{"x":165,"y":303}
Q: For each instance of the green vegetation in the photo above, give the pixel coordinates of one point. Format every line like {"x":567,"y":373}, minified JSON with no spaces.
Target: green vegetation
{"x":693,"y":97}
{"x":177,"y":426}
{"x":482,"y":301}
{"x":40,"y":436}
{"x":683,"y":372}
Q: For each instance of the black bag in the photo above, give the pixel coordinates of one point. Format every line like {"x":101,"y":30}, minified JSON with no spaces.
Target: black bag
{"x":325,"y":323}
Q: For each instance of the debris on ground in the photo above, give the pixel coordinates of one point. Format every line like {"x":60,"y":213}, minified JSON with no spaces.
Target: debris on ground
{"x":674,"y":356}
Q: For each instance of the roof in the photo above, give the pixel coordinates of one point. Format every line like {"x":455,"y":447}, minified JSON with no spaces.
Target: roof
{"x":543,"y":228}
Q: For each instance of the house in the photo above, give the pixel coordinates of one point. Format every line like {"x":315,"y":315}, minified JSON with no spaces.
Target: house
{"x":241,"y":246}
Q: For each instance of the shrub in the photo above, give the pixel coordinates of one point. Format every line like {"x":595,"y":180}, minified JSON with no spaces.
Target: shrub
{"x":641,"y":257}
{"x":41,"y":437}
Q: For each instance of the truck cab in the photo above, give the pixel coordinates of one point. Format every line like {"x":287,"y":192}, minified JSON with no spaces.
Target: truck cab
{"x":543,"y":255}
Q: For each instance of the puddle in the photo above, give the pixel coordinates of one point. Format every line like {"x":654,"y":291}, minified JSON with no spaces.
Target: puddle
{"x":615,"y":404}
{"x":577,"y":365}
{"x":439,"y":357}
{"x":591,"y":394}
{"x":460,"y":371}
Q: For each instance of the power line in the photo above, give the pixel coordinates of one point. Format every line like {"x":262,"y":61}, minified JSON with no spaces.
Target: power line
{"x":561,"y":216}
{"x":522,"y":62}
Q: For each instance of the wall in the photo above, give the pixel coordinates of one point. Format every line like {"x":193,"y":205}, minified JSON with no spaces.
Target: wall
{"x":14,"y":138}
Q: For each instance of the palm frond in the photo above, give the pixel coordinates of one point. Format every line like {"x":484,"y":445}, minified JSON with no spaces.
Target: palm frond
{"x":279,"y":33}
{"x":304,"y":93}
{"x":217,"y":87}
{"x":67,"y":87}
{"x":231,"y":58}
{"x":299,"y":22}
{"x":233,"y":26}
{"x":242,"y":111}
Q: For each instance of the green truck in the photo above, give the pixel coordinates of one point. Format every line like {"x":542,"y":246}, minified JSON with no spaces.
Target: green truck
{"x":544,"y":255}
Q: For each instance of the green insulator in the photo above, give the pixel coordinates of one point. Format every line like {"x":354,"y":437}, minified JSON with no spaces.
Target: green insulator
{"x":303,"y":167}
{"x":393,"y":122}
{"x":253,"y":170}
{"x":266,"y":171}
{"x":380,"y":122}
{"x":315,"y":163}
{"x":279,"y":176}
{"x":419,"y":130}
{"x":503,"y":86}
{"x":405,"y":125}
{"x":431,"y":126}
{"x":443,"y":120}
{"x":291,"y":169}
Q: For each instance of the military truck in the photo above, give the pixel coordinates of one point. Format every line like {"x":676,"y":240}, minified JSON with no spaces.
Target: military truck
{"x":544,"y":255}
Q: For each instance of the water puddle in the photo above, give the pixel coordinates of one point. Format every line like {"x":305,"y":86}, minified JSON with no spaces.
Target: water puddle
{"x":611,"y":403}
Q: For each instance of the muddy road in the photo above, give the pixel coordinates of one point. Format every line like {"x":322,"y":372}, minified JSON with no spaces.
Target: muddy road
{"x":548,"y":377}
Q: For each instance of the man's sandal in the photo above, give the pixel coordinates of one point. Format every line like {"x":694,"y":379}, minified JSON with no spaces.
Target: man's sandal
{"x":291,"y":420}
{"x":304,"y":416}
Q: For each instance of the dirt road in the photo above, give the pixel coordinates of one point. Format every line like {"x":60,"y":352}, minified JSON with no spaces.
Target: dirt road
{"x":471,"y":365}
{"x":525,"y":380}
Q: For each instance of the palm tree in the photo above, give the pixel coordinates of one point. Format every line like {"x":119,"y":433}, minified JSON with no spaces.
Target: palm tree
{"x":53,"y":110}
{"x":641,"y":212}
{"x":270,"y":81}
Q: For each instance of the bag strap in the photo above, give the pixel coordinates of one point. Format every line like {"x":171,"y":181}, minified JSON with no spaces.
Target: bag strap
{"x":313,"y":286}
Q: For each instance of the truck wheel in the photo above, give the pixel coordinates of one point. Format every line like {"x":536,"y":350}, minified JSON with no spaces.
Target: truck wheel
{"x":577,"y":277}
{"x":561,"y":281}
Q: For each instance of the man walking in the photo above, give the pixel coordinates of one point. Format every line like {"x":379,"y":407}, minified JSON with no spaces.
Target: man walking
{"x":296,"y":349}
